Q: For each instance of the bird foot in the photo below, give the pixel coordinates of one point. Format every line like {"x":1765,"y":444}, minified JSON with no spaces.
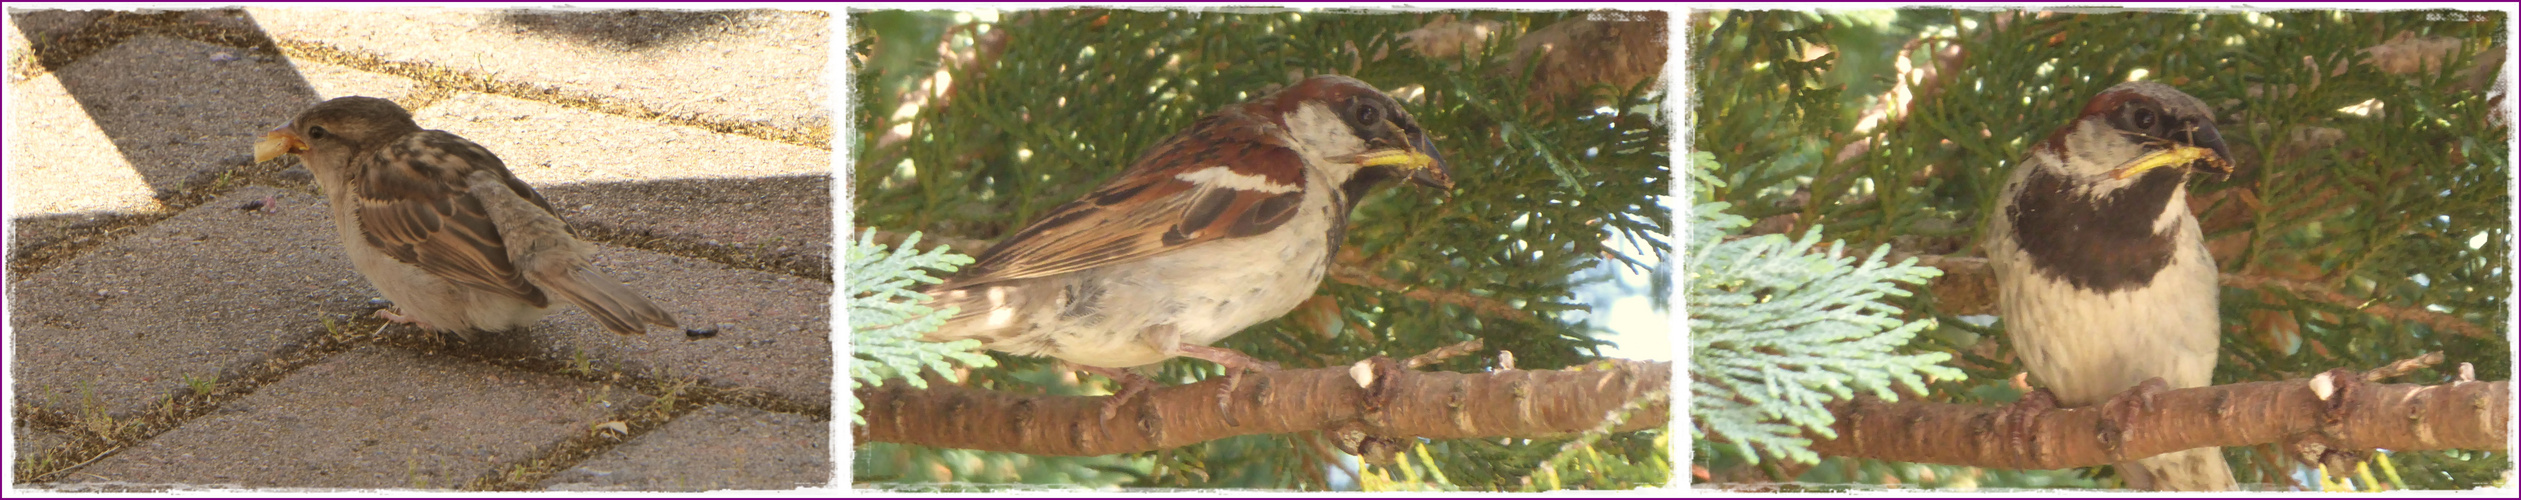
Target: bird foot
{"x":2119,"y":414}
{"x":1131,"y":386}
{"x":390,"y":316}
{"x":2019,"y":421}
{"x":1235,"y":363}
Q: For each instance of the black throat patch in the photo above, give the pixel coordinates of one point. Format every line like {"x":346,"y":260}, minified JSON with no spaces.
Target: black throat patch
{"x":2101,"y":243}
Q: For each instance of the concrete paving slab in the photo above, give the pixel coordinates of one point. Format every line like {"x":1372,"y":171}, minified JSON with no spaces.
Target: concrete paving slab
{"x":179,"y":110}
{"x":196,"y":295}
{"x":788,"y":218}
{"x":754,"y":66}
{"x":774,"y":330}
{"x":63,"y":171}
{"x":669,"y":181}
{"x":714,"y":448}
{"x":371,"y":418}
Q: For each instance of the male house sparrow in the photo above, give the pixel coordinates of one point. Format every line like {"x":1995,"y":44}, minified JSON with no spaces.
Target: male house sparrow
{"x":440,"y":227}
{"x":2104,"y":281}
{"x":1224,"y":225}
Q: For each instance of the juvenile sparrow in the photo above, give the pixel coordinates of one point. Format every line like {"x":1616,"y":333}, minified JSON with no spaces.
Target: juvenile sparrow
{"x":2104,"y":281}
{"x":441,"y":228}
{"x":1219,"y":227}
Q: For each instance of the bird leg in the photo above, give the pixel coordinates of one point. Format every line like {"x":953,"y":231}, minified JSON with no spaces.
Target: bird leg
{"x":1131,"y":385}
{"x":1235,"y":363}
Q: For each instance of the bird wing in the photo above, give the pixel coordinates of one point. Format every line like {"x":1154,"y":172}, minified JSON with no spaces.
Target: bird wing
{"x":415,"y":205}
{"x":1230,"y":175}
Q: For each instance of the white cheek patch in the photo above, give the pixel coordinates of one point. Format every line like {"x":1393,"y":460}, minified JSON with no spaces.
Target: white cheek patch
{"x":1222,"y":177}
{"x":1321,"y":133}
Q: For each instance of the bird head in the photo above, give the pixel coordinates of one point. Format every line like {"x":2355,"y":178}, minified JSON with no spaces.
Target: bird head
{"x":1349,"y":122}
{"x":2136,"y":128}
{"x":342,"y":124}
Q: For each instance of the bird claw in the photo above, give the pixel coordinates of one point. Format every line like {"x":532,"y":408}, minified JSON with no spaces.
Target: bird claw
{"x":1225,"y":396}
{"x":2119,"y":413}
{"x":2020,"y":419}
{"x":1235,"y":363}
{"x":1131,"y":386}
{"x":390,"y":316}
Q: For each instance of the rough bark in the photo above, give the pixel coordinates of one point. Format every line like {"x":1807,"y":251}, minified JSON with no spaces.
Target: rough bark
{"x":1390,"y":405}
{"x":2358,"y":416}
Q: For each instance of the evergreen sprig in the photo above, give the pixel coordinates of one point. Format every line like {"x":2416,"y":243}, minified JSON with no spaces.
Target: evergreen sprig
{"x":887,"y":316}
{"x":1777,"y":330}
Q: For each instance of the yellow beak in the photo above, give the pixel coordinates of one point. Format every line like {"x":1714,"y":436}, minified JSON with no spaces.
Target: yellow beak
{"x":278,"y":142}
{"x":1407,"y":160}
{"x":2180,"y":155}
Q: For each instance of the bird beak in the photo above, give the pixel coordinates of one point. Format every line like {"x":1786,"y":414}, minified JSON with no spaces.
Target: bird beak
{"x":1425,"y":165}
{"x":280,"y":141}
{"x":2204,"y":152}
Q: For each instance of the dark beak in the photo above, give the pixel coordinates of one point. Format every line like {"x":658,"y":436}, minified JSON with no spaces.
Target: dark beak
{"x":2207,"y":137}
{"x":1437,"y":173}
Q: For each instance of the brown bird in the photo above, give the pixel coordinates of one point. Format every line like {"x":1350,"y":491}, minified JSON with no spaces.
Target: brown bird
{"x":441,"y":227}
{"x":1224,"y":225}
{"x":2105,"y":282}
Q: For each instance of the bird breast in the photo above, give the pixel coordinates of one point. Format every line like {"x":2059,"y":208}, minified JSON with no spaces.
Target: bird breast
{"x":1122,"y":316}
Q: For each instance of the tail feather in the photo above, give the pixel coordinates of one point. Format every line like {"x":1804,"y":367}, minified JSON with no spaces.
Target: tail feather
{"x":618,"y":308}
{"x":2199,"y":469}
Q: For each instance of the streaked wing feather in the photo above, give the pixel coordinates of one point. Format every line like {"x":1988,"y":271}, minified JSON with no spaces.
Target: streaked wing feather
{"x":1149,"y":210}
{"x":414,"y":206}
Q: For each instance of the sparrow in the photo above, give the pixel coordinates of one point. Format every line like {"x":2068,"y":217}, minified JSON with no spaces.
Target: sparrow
{"x":1219,"y":227}
{"x":2104,"y":282}
{"x":440,"y":227}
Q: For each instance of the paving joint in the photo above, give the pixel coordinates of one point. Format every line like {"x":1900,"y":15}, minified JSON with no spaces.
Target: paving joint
{"x":98,"y":434}
{"x":792,"y":264}
{"x":485,"y":351}
{"x":46,"y":56}
{"x":77,"y":240}
{"x":674,"y":397}
{"x":529,"y":473}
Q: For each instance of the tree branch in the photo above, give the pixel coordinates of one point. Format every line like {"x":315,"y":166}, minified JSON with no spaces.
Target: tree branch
{"x":1968,"y":287}
{"x":2435,"y":320}
{"x":2358,"y":416}
{"x":1485,"y":306}
{"x":1375,"y":401}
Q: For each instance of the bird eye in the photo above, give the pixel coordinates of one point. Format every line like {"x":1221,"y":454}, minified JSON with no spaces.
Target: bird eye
{"x":2144,"y":119}
{"x":1369,"y":114}
{"x":316,"y":133}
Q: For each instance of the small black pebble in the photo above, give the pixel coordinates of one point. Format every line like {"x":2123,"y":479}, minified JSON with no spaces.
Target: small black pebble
{"x":700,"y":333}
{"x":251,"y":205}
